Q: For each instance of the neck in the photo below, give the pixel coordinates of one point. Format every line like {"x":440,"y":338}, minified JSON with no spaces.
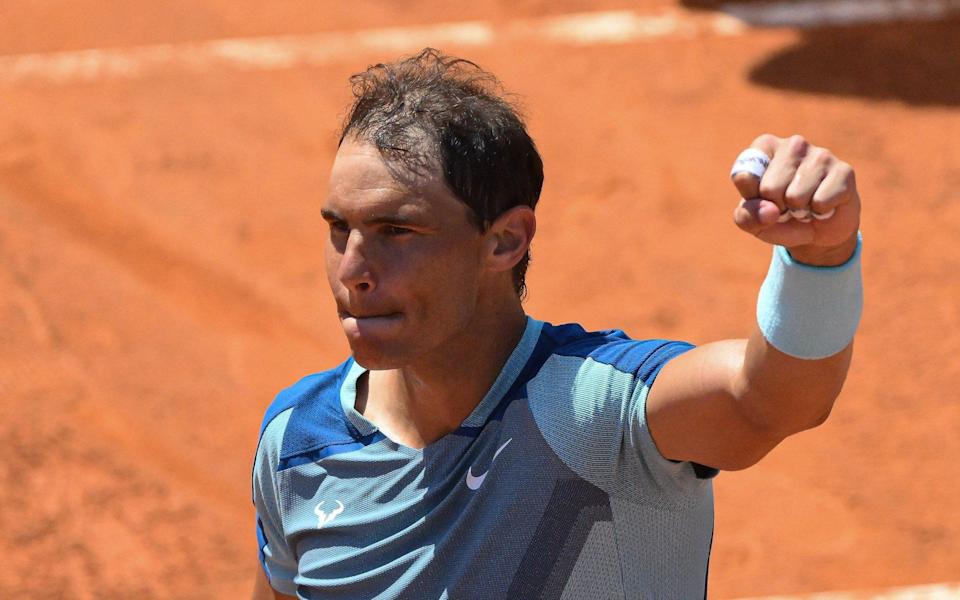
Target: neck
{"x":421,"y":402}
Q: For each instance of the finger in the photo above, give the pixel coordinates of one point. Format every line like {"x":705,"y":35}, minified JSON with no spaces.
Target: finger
{"x":760,"y":218}
{"x":810,"y":174}
{"x":747,"y":171}
{"x":838,"y":188}
{"x":767,"y":143}
{"x":751,"y":164}
{"x":783,"y":168}
{"x":755,"y":215}
{"x":747,"y":184}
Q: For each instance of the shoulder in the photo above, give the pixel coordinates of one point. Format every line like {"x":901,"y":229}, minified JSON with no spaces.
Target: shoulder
{"x":642,"y":359}
{"x":588,"y":400}
{"x":312,"y":389}
{"x":306,"y":415}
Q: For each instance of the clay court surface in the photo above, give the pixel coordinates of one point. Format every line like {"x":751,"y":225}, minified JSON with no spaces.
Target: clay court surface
{"x":161,"y":272}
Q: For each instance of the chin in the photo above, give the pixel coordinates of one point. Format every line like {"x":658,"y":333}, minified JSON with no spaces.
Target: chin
{"x":378,"y":357}
{"x":377,"y":363}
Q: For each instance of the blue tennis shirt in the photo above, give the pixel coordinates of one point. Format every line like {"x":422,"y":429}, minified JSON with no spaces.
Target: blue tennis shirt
{"x":551,"y":488}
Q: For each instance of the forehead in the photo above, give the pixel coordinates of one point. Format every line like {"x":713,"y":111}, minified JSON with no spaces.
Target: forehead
{"x":361,"y":180}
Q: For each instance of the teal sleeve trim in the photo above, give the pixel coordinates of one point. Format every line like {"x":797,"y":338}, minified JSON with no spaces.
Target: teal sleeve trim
{"x":808,"y":311}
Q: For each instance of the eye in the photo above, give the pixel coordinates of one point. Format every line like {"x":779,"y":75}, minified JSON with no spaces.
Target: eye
{"x":338,"y":226}
{"x":394,"y":230}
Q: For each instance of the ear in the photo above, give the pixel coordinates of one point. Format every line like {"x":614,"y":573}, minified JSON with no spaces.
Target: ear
{"x":508,"y":238}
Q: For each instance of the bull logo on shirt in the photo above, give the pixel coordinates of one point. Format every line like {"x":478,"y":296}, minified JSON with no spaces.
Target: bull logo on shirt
{"x":323,"y":517}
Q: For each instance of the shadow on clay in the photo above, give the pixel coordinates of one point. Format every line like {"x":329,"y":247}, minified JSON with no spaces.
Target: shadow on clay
{"x":917,"y":62}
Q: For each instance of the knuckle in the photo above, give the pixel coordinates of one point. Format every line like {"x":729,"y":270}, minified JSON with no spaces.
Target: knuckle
{"x":766,"y":139}
{"x":740,"y":213}
{"x":846,"y":172}
{"x":741,"y":223}
{"x":737,"y":219}
{"x":797,"y":143}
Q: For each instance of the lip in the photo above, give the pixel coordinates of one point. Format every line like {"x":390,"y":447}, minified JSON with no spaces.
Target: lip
{"x":367,"y":317}
{"x":367,"y":324}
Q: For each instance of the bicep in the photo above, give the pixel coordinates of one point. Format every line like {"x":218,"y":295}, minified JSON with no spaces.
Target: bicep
{"x":693,"y":412}
{"x":263,"y":591}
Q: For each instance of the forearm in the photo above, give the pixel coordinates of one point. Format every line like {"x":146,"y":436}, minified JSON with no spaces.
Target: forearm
{"x":783,"y":395}
{"x":798,"y":355}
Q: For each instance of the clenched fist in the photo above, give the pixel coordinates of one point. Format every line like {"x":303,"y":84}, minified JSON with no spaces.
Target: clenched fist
{"x":800,"y":177}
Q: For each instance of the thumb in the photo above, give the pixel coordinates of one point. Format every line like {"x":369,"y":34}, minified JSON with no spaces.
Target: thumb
{"x":747,"y":184}
{"x":755,"y":215}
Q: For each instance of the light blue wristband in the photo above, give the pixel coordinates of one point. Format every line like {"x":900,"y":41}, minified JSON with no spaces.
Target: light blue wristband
{"x":807,"y":311}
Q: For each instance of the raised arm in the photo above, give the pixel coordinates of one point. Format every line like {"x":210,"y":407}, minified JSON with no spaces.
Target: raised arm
{"x":727,"y":404}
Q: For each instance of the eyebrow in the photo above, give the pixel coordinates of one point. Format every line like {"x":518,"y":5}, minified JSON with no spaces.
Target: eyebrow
{"x":332,"y":215}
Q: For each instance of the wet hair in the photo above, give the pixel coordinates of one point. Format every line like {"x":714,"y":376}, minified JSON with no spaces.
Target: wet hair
{"x":433,"y":111}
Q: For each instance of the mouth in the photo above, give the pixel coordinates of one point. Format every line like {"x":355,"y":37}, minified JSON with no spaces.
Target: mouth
{"x":368,"y":323}
{"x":367,"y":316}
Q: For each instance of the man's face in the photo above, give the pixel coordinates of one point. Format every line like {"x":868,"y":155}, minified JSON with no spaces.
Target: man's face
{"x":403,"y":260}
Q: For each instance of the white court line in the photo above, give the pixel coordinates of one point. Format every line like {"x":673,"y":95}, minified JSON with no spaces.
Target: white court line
{"x":943,"y":591}
{"x":613,"y":27}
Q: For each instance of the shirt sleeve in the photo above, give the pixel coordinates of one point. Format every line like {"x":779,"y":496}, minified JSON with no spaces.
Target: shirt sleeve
{"x":637,"y":437}
{"x":277,"y":559}
{"x":591,"y":409}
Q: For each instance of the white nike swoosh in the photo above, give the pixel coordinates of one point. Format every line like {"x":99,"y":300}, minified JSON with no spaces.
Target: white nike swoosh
{"x":475,"y":481}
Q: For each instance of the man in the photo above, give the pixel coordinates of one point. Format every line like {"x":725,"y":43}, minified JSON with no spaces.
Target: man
{"x":469,"y":451}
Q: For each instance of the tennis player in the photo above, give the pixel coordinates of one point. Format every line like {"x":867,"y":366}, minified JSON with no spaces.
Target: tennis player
{"x":468,"y":450}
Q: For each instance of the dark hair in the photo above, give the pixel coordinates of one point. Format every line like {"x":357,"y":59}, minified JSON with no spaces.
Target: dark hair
{"x":432,"y":110}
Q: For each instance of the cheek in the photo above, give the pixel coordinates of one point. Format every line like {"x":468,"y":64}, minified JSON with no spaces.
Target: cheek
{"x":450,"y":266}
{"x":331,"y":262}
{"x":452,"y":284}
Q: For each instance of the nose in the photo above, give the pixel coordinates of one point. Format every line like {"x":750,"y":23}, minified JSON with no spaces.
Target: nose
{"x":354,"y":270}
